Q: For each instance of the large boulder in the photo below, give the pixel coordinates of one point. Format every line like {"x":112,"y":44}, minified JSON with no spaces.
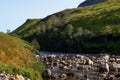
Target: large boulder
{"x":115,"y":66}
{"x":104,"y":68}
{"x":46,"y":73}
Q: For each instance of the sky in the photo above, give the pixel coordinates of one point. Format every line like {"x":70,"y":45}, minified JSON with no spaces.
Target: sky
{"x":14,"y":13}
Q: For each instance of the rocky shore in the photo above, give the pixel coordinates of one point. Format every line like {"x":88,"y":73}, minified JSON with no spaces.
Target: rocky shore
{"x":5,"y":76}
{"x":80,"y":67}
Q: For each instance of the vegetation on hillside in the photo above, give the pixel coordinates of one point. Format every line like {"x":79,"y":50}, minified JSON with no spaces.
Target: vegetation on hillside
{"x":18,"y":57}
{"x":93,"y":28}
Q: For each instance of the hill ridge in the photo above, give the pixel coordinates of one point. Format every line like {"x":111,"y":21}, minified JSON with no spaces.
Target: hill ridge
{"x":90,"y":2}
{"x":84,"y":29}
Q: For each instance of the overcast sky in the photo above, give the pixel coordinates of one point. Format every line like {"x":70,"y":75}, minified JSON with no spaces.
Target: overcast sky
{"x":15,"y":12}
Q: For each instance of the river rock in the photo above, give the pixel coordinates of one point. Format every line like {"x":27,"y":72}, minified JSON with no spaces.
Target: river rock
{"x":46,"y":73}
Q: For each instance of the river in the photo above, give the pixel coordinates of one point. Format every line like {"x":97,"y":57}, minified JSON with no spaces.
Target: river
{"x":92,"y":73}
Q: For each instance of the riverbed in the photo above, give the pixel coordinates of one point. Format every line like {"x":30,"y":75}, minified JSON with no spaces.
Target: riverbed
{"x":62,"y":63}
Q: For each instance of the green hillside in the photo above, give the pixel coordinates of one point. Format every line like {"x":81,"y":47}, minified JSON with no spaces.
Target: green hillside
{"x":87,"y":29}
{"x":17,"y":57}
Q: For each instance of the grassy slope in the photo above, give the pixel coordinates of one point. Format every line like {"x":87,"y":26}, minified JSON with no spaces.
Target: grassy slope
{"x":16,"y":57}
{"x":80,"y":29}
{"x":25,"y":27}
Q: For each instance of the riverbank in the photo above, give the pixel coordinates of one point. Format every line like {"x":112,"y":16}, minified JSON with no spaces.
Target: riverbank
{"x":77,"y":66}
{"x":6,"y":76}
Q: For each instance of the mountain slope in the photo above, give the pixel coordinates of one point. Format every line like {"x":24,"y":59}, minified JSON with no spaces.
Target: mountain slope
{"x":86,"y":29}
{"x":16,"y":57}
{"x":90,"y":2}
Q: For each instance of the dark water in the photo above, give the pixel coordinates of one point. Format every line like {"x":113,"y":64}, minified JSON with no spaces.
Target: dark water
{"x":60,"y":53}
{"x":49,"y":53}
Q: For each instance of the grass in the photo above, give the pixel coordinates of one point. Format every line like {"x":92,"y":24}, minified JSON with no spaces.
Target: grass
{"x":18,"y":57}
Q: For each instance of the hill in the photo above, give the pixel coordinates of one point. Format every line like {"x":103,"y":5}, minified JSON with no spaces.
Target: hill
{"x":89,"y":29}
{"x":90,"y":2}
{"x":18,"y":57}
